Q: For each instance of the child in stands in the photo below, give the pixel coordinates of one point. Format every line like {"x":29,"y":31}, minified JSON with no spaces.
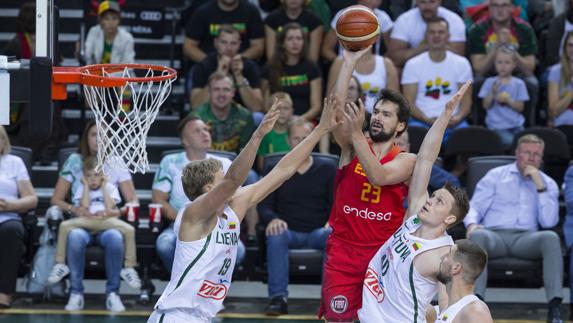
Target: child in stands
{"x":99,"y":198}
{"x":504,"y":96}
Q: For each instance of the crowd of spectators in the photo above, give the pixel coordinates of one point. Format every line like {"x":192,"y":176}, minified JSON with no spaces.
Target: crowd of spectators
{"x":241,"y":59}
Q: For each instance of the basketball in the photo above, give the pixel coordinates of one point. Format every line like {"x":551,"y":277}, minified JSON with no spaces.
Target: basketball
{"x":357,"y":28}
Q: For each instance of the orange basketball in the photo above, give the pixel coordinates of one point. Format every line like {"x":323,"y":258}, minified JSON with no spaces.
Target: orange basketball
{"x":357,"y":28}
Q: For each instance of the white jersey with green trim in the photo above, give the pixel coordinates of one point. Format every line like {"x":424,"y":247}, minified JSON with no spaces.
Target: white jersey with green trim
{"x":448,"y":315}
{"x":202,"y":269}
{"x":393,"y":290}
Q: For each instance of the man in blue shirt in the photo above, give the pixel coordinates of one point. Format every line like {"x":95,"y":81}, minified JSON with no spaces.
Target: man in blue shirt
{"x":509,"y":204}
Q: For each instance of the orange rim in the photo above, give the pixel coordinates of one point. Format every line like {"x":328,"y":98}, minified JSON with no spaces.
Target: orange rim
{"x":93,"y":75}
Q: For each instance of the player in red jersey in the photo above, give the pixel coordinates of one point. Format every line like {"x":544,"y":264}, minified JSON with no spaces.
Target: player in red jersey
{"x":371,"y":187}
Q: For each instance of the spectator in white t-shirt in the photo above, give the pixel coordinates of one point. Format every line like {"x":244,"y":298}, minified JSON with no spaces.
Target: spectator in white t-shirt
{"x":16,"y":196}
{"x":430,"y":79}
{"x":407,"y":37}
{"x":330,"y":40}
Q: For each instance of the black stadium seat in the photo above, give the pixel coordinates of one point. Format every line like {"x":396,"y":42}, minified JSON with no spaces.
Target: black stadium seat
{"x":416,"y":136}
{"x":473,"y":141}
{"x":479,"y":166}
{"x":64,"y":154}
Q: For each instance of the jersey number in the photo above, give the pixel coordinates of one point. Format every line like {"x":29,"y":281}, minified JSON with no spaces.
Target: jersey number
{"x":370,"y":193}
{"x":225,"y":267}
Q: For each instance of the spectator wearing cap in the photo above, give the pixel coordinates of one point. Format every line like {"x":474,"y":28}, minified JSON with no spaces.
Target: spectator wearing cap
{"x":106,"y":42}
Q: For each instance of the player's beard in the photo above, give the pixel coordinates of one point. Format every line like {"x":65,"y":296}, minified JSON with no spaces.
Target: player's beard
{"x":443,"y":278}
{"x":381,"y":136}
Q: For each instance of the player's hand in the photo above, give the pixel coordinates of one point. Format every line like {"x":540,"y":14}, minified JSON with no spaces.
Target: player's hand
{"x":276,"y":227}
{"x":472,"y":228}
{"x":355,"y":115}
{"x":328,"y":118}
{"x":85,"y":181}
{"x":455,"y":100}
{"x":237,"y":66}
{"x":269,"y":120}
{"x":454,"y":121}
{"x":355,"y":56}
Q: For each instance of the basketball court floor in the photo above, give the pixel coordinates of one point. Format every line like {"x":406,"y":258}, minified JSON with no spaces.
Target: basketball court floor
{"x":246,"y":303}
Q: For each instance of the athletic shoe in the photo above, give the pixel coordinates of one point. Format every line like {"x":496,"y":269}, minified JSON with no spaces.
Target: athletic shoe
{"x":75,"y":303}
{"x":131,"y":277}
{"x":59,"y":271}
{"x":113,"y":303}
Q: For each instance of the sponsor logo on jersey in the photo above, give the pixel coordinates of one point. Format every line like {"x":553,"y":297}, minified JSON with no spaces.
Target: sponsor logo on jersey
{"x":211,"y":290}
{"x":367,"y":214}
{"x":400,"y":245}
{"x":339,"y":304}
{"x":373,"y":285}
{"x":358,"y":170}
{"x":227,"y":238}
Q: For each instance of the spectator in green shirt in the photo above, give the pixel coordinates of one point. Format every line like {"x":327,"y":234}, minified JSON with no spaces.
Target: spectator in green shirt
{"x":231,"y":125}
{"x":276,"y":141}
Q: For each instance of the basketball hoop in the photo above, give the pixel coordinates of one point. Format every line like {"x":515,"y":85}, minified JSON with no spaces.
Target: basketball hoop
{"x":125,"y":99}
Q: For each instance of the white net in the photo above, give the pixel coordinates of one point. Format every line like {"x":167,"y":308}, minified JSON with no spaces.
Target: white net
{"x":124,"y":114}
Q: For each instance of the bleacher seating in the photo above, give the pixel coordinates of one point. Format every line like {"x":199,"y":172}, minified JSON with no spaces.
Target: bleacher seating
{"x":473,"y":141}
{"x":416,"y":136}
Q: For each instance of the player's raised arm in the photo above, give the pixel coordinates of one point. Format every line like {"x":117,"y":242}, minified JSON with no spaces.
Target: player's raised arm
{"x":428,"y":153}
{"x":340,"y":90}
{"x":250,"y":195}
{"x":203,"y":207}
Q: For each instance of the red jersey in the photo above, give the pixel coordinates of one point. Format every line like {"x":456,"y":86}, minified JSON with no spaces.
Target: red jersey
{"x":365,"y":214}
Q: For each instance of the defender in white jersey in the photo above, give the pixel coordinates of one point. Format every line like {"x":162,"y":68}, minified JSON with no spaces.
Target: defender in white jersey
{"x":401,"y":279}
{"x":458,"y":272}
{"x":207,"y":229}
